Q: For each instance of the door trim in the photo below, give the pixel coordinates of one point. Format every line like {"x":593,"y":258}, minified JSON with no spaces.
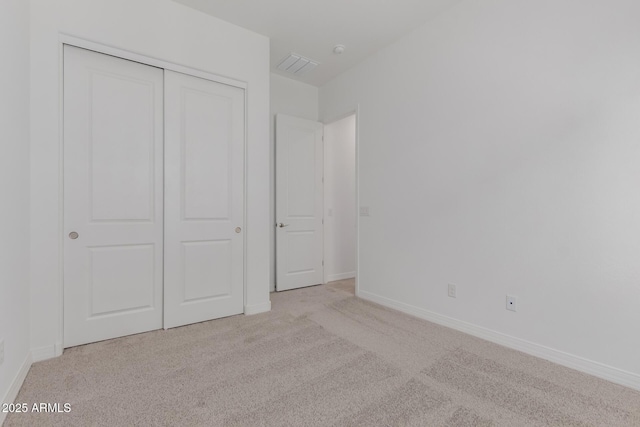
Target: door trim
{"x":66,"y":39}
{"x":354,"y":111}
{"x":147,"y":60}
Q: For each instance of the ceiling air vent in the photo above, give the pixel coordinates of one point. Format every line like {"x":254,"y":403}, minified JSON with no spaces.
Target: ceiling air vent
{"x":297,"y":65}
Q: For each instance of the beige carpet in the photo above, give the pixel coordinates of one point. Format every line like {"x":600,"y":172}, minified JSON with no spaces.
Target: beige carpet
{"x":321,"y":357}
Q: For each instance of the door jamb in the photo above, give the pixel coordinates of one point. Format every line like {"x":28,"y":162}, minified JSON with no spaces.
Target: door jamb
{"x":355,"y":111}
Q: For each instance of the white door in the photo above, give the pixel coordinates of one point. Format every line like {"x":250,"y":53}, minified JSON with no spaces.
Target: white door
{"x":299,"y":201}
{"x":204,"y":199}
{"x":113,"y":204}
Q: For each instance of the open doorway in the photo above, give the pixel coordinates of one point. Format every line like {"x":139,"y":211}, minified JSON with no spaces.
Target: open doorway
{"x":340,"y":206}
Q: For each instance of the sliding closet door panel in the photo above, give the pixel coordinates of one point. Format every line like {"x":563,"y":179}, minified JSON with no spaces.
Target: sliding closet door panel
{"x":204,"y":199}
{"x":113,"y":197}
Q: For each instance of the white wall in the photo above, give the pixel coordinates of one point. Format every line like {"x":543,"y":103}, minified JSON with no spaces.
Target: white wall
{"x":340,"y":199}
{"x":161,"y":29}
{"x":294,"y":98}
{"x":297,"y":99}
{"x":500,"y":151}
{"x":14,"y":190}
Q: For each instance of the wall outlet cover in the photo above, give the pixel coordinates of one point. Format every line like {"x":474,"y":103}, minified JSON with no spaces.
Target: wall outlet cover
{"x":512,"y":303}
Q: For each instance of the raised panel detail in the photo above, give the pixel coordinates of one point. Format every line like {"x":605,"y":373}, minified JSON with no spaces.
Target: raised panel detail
{"x":301,"y":168}
{"x":121,"y":148}
{"x":121,"y":279}
{"x":301,"y":257}
{"x":207,"y":269}
{"x":206,"y":155}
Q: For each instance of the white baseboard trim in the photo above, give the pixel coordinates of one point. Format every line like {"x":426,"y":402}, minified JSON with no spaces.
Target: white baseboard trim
{"x":14,"y":388}
{"x":44,"y":353}
{"x":257,"y":308}
{"x":341,"y":276}
{"x":597,"y":369}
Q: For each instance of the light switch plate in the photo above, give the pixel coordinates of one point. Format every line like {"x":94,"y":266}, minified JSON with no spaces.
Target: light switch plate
{"x":452,"y":290}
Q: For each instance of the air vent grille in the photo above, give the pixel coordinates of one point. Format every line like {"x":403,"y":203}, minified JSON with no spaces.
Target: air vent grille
{"x":296,"y":64}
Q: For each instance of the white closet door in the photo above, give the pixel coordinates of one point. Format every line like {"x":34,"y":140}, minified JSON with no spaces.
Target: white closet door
{"x":113,"y":203}
{"x":204,"y":199}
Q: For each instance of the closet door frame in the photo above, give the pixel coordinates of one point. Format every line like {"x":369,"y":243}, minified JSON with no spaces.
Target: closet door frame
{"x":154,"y":62}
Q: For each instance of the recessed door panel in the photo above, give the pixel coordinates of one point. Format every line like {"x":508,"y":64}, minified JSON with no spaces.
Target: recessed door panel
{"x":204,"y":199}
{"x":113,"y":221}
{"x":301,"y":254}
{"x":121,"y":147}
{"x":122,"y":279}
{"x":206,"y":154}
{"x":207,"y":270}
{"x":301,"y":179}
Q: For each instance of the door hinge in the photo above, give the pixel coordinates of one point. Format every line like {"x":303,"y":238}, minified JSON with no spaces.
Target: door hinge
{"x":322,"y":262}
{"x":322,"y":221}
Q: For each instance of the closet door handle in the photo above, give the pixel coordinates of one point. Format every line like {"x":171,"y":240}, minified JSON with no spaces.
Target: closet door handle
{"x":281,"y":225}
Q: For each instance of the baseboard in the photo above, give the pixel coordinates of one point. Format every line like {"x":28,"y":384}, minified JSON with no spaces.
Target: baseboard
{"x":44,"y":353}
{"x":340,"y":276}
{"x":597,"y":369}
{"x":14,"y":388}
{"x":257,"y":308}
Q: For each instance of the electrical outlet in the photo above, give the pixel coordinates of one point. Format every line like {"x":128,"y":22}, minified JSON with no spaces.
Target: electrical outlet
{"x":452,"y":290}
{"x":1,"y":352}
{"x":512,"y":303}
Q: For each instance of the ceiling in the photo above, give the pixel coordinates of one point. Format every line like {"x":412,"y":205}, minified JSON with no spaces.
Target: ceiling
{"x":312,"y":28}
